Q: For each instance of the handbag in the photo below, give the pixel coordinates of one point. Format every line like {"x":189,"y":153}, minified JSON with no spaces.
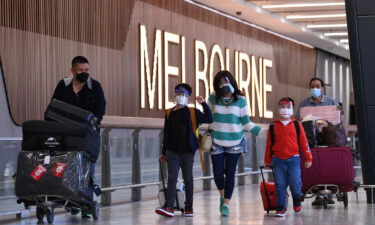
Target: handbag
{"x":334,"y":135}
{"x":205,"y":142}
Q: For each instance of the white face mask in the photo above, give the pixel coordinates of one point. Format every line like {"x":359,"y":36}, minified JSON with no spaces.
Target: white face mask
{"x":182,"y":100}
{"x":286,"y":112}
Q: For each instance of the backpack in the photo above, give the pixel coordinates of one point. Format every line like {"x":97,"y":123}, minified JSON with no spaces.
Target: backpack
{"x":193,"y":119}
{"x":272,"y":132}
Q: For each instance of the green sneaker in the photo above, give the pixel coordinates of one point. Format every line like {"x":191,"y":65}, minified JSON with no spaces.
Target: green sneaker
{"x":225,"y":211}
{"x":221,"y":202}
{"x":74,"y":211}
{"x":85,"y":215}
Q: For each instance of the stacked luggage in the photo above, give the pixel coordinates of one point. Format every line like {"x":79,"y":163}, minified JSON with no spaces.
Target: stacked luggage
{"x":55,"y":166}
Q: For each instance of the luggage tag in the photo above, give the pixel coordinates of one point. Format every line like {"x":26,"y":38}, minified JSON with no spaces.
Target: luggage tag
{"x":47,"y":159}
{"x":38,"y":172}
{"x":58,"y":170}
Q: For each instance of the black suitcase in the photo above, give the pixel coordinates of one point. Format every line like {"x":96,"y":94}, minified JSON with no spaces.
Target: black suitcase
{"x":55,"y":136}
{"x":63,"y":174}
{"x":63,"y":112}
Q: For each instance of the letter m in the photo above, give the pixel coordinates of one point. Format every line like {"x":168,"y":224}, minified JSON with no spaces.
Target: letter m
{"x":145,"y":69}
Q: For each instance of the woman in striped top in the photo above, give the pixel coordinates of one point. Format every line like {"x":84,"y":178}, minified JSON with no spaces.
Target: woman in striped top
{"x":231,"y":119}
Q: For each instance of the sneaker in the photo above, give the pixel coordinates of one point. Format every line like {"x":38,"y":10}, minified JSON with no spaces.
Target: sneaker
{"x":221,"y":202}
{"x":86,"y":215}
{"x":297,"y":206}
{"x":188,"y":212}
{"x":318,"y":201}
{"x":74,"y":211}
{"x":165,"y":211}
{"x":225,"y":210}
{"x":280,"y":212}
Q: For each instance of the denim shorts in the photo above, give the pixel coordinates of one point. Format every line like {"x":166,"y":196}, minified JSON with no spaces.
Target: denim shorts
{"x":240,"y":148}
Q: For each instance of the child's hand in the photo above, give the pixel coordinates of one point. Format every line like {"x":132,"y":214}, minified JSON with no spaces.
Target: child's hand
{"x":308,"y":164}
{"x":200,"y":99}
{"x":163,"y":158}
{"x":267,"y":166}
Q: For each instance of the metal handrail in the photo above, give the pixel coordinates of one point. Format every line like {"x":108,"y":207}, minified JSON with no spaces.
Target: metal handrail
{"x":118,"y":187}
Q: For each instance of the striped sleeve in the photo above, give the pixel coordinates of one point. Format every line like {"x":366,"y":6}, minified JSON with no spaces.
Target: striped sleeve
{"x":245,"y":119}
{"x":211,"y":101}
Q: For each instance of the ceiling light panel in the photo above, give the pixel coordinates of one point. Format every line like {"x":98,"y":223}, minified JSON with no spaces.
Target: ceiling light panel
{"x":302,"y":5}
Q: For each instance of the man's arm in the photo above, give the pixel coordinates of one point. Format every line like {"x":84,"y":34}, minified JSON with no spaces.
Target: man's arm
{"x":58,"y":93}
{"x":101,"y":103}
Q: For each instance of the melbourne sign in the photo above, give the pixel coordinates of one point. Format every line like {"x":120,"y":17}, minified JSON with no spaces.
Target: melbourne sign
{"x":155,"y":71}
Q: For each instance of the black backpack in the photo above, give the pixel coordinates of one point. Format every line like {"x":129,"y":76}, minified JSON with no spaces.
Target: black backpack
{"x":272,"y":132}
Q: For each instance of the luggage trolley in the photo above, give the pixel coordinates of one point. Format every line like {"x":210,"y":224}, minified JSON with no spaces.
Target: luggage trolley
{"x":57,"y":179}
{"x":326,"y":191}
{"x":330,"y":176}
{"x":46,"y":204}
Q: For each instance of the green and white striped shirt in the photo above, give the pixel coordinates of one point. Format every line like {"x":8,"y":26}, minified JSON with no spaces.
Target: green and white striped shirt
{"x":230,"y":121}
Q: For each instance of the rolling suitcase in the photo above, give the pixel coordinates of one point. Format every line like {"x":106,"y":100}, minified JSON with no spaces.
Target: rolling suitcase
{"x":330,"y":165}
{"x":63,"y":112}
{"x":179,"y":203}
{"x":268,"y":193}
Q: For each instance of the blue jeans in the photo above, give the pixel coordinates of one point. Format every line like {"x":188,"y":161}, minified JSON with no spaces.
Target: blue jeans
{"x":287,"y":172}
{"x":224,"y":162}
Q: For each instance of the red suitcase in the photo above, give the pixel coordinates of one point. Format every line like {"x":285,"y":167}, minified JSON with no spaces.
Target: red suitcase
{"x":268,"y":193}
{"x":330,"y":165}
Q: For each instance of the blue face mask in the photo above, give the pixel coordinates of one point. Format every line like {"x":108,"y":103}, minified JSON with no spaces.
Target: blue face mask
{"x":316,"y":92}
{"x":227,"y":88}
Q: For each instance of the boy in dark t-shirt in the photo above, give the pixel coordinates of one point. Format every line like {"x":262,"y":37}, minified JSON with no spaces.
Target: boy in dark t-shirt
{"x":179,"y":146}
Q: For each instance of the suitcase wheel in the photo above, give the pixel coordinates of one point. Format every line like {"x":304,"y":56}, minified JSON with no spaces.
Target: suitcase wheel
{"x":325,"y":202}
{"x":268,"y":212}
{"x":345,"y":199}
{"x":50,"y":215}
{"x":95,"y":210}
{"x":40,"y":213}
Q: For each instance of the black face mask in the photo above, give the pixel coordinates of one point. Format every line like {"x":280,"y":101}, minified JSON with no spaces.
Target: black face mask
{"x":226,"y":90}
{"x":82,"y":77}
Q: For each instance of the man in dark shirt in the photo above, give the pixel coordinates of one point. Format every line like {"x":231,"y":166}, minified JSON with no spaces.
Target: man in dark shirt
{"x":84,"y":92}
{"x":81,"y":90}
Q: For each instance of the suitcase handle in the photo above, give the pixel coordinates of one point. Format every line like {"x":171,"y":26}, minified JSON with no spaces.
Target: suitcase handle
{"x":162,"y":175}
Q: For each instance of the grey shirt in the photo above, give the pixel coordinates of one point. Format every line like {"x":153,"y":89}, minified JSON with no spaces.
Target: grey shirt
{"x":309,"y":102}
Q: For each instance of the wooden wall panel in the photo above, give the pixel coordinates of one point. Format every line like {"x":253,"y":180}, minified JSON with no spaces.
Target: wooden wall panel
{"x":38,"y":39}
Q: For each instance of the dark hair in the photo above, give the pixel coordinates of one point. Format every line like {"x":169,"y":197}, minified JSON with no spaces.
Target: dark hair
{"x":184,"y":86}
{"x":217,"y":80}
{"x":287,"y":99}
{"x":80,"y":60}
{"x":316,"y":78}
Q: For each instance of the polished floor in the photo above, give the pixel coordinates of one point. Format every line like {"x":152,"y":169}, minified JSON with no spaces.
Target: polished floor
{"x":246,"y":208}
